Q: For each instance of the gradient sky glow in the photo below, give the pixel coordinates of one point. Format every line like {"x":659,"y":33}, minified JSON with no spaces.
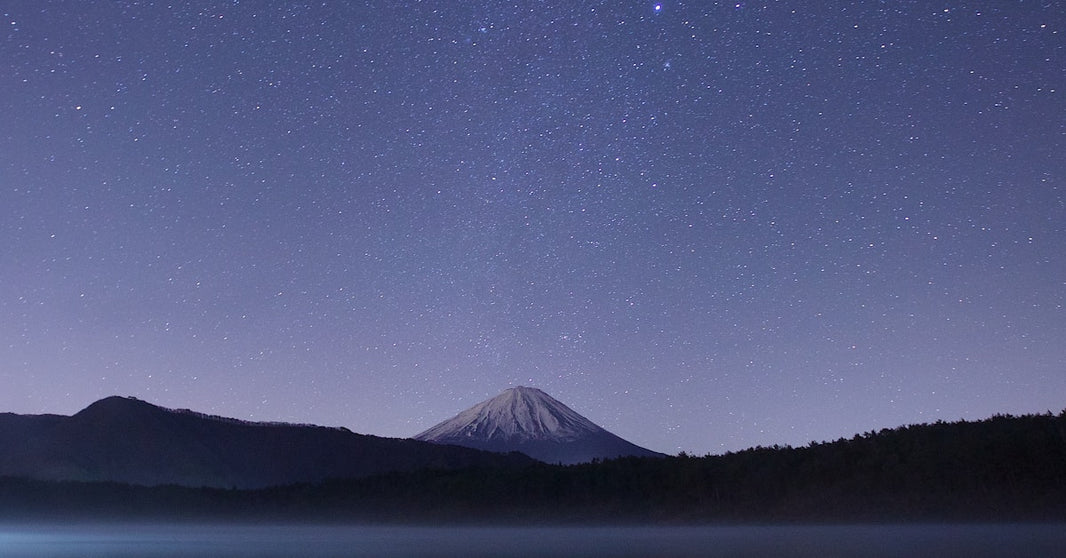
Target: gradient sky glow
{"x":703,"y":225}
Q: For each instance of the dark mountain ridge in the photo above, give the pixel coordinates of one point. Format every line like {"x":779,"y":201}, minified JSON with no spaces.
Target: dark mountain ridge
{"x":121,"y":439}
{"x":995,"y":470}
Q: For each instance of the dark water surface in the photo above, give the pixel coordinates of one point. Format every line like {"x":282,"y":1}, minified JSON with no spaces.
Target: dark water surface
{"x":260,"y":541}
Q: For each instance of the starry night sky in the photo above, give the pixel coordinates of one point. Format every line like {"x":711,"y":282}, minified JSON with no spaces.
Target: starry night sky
{"x":703,"y":225}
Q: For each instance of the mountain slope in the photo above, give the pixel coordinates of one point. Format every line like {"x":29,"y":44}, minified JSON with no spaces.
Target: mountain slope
{"x":127,"y":440}
{"x":532,"y":422}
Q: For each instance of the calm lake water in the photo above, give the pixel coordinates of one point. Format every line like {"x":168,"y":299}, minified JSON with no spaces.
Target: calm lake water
{"x":383,"y":541}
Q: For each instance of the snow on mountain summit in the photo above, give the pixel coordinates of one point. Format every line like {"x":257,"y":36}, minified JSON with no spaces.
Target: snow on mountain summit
{"x":530,"y":421}
{"x":520,"y":413}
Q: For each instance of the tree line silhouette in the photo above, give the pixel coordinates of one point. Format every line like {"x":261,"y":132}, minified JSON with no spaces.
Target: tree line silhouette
{"x":1005,"y":468}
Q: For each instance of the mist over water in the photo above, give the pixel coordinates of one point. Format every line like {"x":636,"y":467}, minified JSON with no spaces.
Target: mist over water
{"x":262,"y":541}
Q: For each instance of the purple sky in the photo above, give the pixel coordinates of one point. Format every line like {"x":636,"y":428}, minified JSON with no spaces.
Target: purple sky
{"x":705,"y":226}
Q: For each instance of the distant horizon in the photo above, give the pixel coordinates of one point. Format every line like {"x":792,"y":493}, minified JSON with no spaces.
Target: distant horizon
{"x":843,"y":436}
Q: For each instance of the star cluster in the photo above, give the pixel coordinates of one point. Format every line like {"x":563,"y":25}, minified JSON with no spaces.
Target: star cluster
{"x":704,"y":225}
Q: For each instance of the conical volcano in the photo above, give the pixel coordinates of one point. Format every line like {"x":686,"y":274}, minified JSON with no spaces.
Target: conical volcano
{"x":530,"y":421}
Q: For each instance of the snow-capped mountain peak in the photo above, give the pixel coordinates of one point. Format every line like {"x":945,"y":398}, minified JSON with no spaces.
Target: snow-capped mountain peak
{"x":517,"y":414}
{"x":530,"y":421}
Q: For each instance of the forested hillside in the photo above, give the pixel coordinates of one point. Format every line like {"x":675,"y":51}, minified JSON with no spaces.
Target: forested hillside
{"x":1003,"y":468}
